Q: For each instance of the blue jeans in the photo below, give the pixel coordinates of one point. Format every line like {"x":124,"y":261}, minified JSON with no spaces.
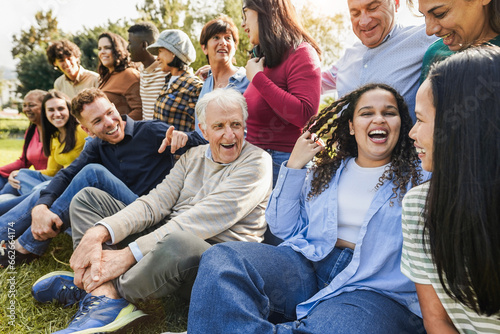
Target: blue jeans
{"x":7,"y":205}
{"x":92,"y":175}
{"x":254,"y":288}
{"x":278,"y":158}
{"x":6,"y":188}
{"x":30,"y":180}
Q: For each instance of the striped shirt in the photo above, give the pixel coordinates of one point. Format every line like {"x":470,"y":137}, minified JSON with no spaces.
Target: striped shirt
{"x":175,"y":104}
{"x":418,"y":266}
{"x":152,"y":81}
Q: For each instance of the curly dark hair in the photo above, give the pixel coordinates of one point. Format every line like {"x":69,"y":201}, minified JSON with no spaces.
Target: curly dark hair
{"x":120,"y":53}
{"x":62,"y":49}
{"x":333,"y":123}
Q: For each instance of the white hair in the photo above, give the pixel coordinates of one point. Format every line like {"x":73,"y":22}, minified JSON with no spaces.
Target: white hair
{"x":225,"y":99}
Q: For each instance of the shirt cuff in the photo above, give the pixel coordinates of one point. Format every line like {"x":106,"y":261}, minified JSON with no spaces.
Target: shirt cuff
{"x":110,"y":230}
{"x":290,"y":181}
{"x":134,"y":248}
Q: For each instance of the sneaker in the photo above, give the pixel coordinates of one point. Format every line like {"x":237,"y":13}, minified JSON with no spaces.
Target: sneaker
{"x":11,"y":257}
{"x":57,"y":286}
{"x":100,"y":314}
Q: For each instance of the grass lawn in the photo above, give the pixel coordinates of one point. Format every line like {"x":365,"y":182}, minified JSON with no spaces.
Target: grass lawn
{"x":29,"y":316}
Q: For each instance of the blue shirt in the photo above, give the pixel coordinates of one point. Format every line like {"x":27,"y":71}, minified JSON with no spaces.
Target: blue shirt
{"x":237,"y":81}
{"x":310,"y":227}
{"x":135,"y":160}
{"x":396,"y":62}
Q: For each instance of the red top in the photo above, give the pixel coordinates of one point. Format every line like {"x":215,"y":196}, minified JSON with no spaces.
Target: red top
{"x":282,"y":99}
{"x":32,"y":156}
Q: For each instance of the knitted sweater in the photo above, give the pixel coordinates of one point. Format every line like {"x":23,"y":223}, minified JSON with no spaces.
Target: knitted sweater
{"x":220,"y":202}
{"x":282,"y":99}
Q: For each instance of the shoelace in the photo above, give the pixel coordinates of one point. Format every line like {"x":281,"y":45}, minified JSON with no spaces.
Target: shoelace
{"x":85,"y":306}
{"x":3,"y":248}
{"x":70,"y":293}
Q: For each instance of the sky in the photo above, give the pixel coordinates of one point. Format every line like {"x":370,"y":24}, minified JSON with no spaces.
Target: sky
{"x":74,"y":15}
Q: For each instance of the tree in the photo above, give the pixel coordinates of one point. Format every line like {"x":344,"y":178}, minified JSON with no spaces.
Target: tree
{"x":33,"y":69}
{"x":326,"y":29}
{"x":37,"y":36}
{"x":35,"y":72}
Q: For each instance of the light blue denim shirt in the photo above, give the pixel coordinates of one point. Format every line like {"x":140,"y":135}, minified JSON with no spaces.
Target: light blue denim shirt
{"x":310,"y":227}
{"x":237,"y":81}
{"x":396,"y":62}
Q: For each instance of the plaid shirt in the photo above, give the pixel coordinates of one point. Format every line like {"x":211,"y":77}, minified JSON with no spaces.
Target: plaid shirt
{"x":175,"y":105}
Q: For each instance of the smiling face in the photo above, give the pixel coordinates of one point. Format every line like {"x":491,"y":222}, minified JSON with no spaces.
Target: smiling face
{"x":165,"y":57}
{"x":69,"y":66}
{"x":136,"y":46}
{"x":423,"y":130}
{"x":105,"y":53}
{"x":224,"y":131}
{"x":32,"y":108}
{"x":57,"y":112}
{"x":220,"y":48}
{"x":101,"y":119}
{"x":372,"y":20}
{"x":459,"y":23}
{"x":376,"y":126}
{"x":250,"y":23}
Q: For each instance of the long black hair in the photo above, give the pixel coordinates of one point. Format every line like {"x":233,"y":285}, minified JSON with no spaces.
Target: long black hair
{"x":462,"y":217}
{"x":49,"y":131}
{"x":333,"y":122}
{"x":280,"y":30}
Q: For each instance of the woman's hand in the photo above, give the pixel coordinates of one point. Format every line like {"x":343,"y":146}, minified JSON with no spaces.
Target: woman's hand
{"x":202,"y":72}
{"x":254,"y":66}
{"x":306,"y":147}
{"x":12,"y":180}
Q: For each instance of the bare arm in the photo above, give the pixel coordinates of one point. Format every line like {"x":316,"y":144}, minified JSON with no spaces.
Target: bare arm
{"x":436,"y":320}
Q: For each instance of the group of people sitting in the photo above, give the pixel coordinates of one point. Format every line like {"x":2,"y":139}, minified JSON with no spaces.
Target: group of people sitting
{"x":377,"y":214}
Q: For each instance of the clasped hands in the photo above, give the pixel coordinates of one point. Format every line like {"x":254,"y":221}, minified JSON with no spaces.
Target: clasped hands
{"x":94,"y":265}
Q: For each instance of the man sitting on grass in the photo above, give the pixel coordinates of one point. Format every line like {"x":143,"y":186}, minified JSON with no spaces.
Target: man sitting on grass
{"x":152,"y":247}
{"x":123,"y":160}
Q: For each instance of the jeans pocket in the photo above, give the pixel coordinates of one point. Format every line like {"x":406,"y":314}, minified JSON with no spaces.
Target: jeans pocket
{"x":328,"y":268}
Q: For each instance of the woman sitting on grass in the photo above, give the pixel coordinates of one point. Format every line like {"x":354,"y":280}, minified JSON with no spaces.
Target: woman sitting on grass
{"x":338,"y":269}
{"x":63,"y":140}
{"x":32,"y":154}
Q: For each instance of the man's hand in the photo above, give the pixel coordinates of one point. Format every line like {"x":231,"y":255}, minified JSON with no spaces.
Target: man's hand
{"x":13,"y":181}
{"x":254,"y":66}
{"x":176,"y":140}
{"x":88,"y":254}
{"x":44,"y":223}
{"x":306,"y":147}
{"x":113,"y":263}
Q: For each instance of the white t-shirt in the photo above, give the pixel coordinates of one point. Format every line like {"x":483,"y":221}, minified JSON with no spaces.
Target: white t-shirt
{"x":355,"y":194}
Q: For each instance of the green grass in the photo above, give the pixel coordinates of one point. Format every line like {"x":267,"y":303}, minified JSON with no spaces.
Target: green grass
{"x":10,"y":150}
{"x":35,"y":318}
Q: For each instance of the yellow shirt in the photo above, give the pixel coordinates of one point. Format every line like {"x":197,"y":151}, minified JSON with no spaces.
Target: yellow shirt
{"x":58,"y":160}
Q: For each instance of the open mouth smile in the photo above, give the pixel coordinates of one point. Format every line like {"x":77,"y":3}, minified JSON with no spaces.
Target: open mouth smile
{"x":378,"y":136}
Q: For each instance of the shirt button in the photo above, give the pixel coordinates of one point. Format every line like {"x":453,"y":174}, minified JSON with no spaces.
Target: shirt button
{"x":366,"y":65}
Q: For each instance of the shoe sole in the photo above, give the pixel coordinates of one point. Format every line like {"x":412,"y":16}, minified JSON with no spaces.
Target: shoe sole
{"x":54,"y":273}
{"x":120,"y":321}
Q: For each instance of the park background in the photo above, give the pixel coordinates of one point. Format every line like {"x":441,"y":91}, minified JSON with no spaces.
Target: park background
{"x":29,"y":25}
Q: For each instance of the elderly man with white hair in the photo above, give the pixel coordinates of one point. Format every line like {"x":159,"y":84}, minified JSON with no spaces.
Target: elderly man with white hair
{"x":151,"y":248}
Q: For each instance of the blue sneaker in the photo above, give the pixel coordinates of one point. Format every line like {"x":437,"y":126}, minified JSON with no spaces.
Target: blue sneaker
{"x":57,"y":286}
{"x":100,"y":314}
